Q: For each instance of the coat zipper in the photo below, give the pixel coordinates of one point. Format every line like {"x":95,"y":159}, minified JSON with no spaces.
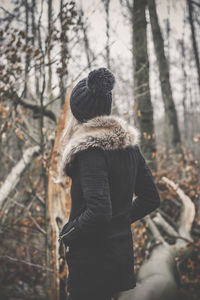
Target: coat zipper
{"x":61,"y":236}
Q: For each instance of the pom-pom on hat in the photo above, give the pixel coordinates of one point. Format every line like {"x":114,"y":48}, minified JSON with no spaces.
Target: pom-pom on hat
{"x":92,"y":95}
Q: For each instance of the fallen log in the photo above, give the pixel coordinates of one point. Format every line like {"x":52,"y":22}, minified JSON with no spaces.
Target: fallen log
{"x":158,"y":277}
{"x":15,"y":174}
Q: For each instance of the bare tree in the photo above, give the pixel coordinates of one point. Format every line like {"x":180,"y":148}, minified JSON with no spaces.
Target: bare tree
{"x":183,"y":66}
{"x":170,"y":109}
{"x":84,"y":29}
{"x":143,"y":105}
{"x":27,"y":59}
{"x":107,"y":10}
{"x":49,"y":84}
{"x":194,"y":42}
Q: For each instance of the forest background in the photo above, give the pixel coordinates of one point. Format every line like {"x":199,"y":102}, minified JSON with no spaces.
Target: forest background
{"x":47,"y":46}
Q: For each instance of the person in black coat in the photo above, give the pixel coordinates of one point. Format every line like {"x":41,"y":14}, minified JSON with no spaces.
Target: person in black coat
{"x":101,"y":154}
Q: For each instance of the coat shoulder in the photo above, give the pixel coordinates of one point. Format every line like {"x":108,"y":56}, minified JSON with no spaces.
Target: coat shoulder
{"x":104,"y":132}
{"x":91,"y":156}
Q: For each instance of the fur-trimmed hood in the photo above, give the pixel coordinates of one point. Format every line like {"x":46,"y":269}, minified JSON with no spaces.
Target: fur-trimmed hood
{"x":107,"y":132}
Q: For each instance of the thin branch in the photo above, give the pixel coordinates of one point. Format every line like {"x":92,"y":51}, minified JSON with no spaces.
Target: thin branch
{"x":37,"y":225}
{"x":29,"y":215}
{"x":19,"y":229}
{"x":11,"y":158}
{"x":7,"y":12}
{"x":36,"y":109}
{"x":27,"y":133}
{"x":26,"y":262}
{"x":40,"y":198}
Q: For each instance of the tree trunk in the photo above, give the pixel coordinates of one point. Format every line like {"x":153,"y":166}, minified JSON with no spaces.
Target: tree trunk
{"x":14,"y":176}
{"x":166,"y":89}
{"x":64,"y":50}
{"x":185,"y":120}
{"x":194,"y":43}
{"x":59,"y":208}
{"x":27,"y":58}
{"x":143,"y":105}
{"x":85,"y":38}
{"x":34,"y":41}
{"x":49,"y":85}
{"x":107,"y":9}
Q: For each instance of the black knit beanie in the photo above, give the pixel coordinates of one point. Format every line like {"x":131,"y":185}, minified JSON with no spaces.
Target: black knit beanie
{"x":92,"y":95}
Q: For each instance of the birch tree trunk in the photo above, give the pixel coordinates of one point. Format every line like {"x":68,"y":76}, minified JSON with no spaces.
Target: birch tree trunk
{"x":163,"y":65}
{"x":144,"y":109}
{"x":14,"y":176}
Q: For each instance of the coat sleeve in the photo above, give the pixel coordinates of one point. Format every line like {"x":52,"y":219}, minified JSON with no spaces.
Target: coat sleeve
{"x":147,"y":196}
{"x":94,"y":183}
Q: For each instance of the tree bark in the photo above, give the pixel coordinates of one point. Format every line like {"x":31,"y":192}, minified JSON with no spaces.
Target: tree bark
{"x":85,"y":38}
{"x":49,"y":84}
{"x":194,"y":42}
{"x":185,"y":119}
{"x":143,"y":105}
{"x":163,"y":65}
{"x":107,"y":10}
{"x":59,"y":208}
{"x":34,"y":40}
{"x":27,"y":58}
{"x":64,"y":50}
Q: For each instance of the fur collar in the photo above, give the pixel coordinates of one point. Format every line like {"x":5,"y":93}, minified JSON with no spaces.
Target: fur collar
{"x":107,"y":132}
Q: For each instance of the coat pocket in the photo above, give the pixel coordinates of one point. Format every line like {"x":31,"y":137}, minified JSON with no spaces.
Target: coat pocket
{"x":68,"y":232}
{"x":64,"y":234}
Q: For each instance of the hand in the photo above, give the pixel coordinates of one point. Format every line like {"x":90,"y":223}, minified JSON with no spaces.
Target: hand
{"x":67,"y":232}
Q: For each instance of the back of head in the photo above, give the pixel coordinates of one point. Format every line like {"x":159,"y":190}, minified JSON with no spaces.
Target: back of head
{"x":92,"y":95}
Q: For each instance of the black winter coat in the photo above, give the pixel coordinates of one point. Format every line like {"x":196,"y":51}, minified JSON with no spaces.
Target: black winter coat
{"x":107,"y":168}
